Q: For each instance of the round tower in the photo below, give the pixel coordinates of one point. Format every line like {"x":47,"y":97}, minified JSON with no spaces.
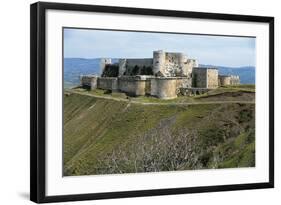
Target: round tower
{"x":159,"y":61}
{"x":182,"y":60}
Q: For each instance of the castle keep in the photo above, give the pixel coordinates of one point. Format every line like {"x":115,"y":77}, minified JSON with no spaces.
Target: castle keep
{"x":164,"y":76}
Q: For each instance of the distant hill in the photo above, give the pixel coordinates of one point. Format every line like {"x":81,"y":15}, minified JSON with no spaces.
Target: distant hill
{"x":74,"y":67}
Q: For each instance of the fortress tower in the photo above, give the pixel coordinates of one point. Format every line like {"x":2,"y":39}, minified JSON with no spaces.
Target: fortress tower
{"x":182,"y":61}
{"x":159,"y":58}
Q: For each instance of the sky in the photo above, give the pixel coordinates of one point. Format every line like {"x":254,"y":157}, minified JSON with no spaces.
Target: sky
{"x":208,"y":50}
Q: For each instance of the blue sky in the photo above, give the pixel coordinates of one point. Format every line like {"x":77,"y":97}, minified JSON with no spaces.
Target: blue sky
{"x":212,"y":50}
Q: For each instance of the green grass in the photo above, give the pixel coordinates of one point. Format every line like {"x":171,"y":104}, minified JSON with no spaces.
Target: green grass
{"x":242,"y":86}
{"x":239,"y":152}
{"x":95,"y":127}
{"x":229,"y":93}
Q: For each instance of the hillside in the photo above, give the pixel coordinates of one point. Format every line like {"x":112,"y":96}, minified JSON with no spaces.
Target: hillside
{"x":103,"y":136}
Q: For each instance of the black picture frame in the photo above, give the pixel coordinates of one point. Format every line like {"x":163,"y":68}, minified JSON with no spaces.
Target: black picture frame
{"x":38,"y":103}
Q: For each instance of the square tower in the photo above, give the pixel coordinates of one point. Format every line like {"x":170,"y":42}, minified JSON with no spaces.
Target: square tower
{"x":205,"y":77}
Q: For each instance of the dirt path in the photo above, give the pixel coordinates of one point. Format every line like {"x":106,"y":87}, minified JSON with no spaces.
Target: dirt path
{"x":158,"y":103}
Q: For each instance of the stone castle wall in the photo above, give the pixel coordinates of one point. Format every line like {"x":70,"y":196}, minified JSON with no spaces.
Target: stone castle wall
{"x":224,"y":80}
{"x":161,"y":87}
{"x":164,"y":88}
{"x":107,"y":83}
{"x":134,"y":86}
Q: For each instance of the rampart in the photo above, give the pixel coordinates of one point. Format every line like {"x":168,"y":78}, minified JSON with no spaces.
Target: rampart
{"x":134,"y":85}
{"x":108,"y":83}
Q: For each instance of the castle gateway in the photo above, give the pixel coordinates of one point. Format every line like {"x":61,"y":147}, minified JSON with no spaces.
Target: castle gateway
{"x":163,"y":76}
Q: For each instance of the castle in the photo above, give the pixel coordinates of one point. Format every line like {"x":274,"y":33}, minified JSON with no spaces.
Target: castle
{"x":164,"y":76}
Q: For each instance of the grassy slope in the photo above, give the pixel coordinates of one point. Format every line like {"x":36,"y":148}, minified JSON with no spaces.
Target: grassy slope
{"x":94,"y":127}
{"x":226,"y":93}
